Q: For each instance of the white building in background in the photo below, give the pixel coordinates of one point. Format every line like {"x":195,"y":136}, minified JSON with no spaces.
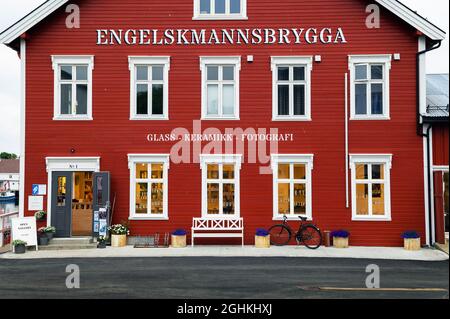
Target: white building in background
{"x":9,"y":175}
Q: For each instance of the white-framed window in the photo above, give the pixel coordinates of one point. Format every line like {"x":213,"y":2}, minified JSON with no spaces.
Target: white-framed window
{"x":220,"y":87}
{"x":371,"y":192}
{"x":149,"y":87}
{"x":291,"y":88}
{"x":220,"y":185}
{"x":369,"y":86}
{"x":292,"y":185}
{"x":148,"y":186}
{"x":72,"y":87}
{"x":220,"y":10}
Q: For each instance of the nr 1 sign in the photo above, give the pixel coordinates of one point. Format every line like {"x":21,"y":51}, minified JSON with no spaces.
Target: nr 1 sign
{"x":24,"y":229}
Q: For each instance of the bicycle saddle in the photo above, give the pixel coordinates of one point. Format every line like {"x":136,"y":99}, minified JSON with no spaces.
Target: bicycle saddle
{"x":303,"y":218}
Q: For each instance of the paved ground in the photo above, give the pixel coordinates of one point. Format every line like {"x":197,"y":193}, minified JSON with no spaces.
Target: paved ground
{"x":212,"y":277}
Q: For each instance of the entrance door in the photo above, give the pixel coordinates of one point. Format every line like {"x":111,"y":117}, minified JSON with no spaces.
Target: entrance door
{"x":62,"y":203}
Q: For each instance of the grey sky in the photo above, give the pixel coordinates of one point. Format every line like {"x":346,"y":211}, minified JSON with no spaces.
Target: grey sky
{"x":12,"y":10}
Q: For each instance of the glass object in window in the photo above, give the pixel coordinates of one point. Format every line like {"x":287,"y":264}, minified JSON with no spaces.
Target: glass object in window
{"x":362,"y":199}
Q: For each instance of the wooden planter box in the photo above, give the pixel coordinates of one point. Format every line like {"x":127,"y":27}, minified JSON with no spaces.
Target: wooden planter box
{"x":412,"y":243}
{"x":339,"y":242}
{"x":178,"y":241}
{"x":118,"y":240}
{"x":262,"y":241}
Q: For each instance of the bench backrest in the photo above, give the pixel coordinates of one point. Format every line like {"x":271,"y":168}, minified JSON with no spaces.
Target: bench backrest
{"x":218,"y":224}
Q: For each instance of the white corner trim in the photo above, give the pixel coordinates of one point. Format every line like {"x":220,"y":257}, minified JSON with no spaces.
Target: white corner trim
{"x":23,"y":74}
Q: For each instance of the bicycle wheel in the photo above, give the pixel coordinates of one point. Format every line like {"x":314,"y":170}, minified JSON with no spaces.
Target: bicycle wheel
{"x":310,"y":236}
{"x":280,"y":235}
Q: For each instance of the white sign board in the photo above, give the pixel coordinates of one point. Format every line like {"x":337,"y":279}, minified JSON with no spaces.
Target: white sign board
{"x":35,"y":203}
{"x":24,"y":229}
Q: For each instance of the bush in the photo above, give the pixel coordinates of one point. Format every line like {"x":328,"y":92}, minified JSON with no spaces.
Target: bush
{"x":340,"y":234}
{"x":18,"y":242}
{"x":262,"y":232}
{"x":119,"y":229}
{"x":49,"y":229}
{"x":179,"y":232}
{"x":410,"y":234}
{"x":40,"y":215}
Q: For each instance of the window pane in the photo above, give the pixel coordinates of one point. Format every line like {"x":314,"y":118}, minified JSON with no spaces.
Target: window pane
{"x":283,"y":99}
{"x":213,"y":171}
{"x":82,"y":99}
{"x":235,"y":6}
{"x":361,"y":72}
{"x":376,"y":72}
{"x":377,"y":199}
{"x":142,"y":73}
{"x":299,"y":171}
{"x":362,"y":171}
{"x":66,"y":98}
{"x":299,"y":199}
{"x":66,"y":72}
{"x":82,"y":73}
{"x":228,"y":73}
{"x":142,"y":99}
{"x":157,"y":99}
{"x":213,"y":95}
{"x":141,"y":171}
{"x":377,"y":171}
{"x":205,"y":6}
{"x":157,"y":73}
{"x":141,"y":198}
{"x":228,"y":99}
{"x":283,"y":73}
{"x":228,"y":171}
{"x":299,"y":100}
{"x":377,"y":98}
{"x":362,"y":199}
{"x":157,"y":198}
{"x":220,"y":6}
{"x":361,"y":98}
{"x":212,"y":73}
{"x":299,"y":73}
{"x":157,"y":171}
{"x":213,"y":198}
{"x":284,"y":203}
{"x":61,"y":196}
{"x":283,"y":171}
{"x":228,"y":199}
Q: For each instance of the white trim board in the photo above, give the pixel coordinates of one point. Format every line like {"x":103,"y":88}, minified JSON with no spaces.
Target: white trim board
{"x":394,"y":6}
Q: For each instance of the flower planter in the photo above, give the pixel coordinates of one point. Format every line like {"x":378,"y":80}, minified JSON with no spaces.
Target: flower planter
{"x":43,"y":240}
{"x":118,"y":240}
{"x":412,"y":243}
{"x":49,"y":235}
{"x":178,"y":241}
{"x":19,"y":249}
{"x":262,"y":241}
{"x":340,"y":242}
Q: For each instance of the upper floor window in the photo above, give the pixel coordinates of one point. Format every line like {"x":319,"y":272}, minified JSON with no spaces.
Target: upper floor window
{"x":220,"y":87}
{"x":72,"y":87}
{"x":369,"y":76}
{"x":291,"y":92}
{"x":149,"y":90}
{"x":220,"y":9}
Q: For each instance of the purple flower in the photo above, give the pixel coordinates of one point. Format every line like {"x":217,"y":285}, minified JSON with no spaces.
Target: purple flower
{"x":340,"y":234}
{"x":410,"y":234}
{"x":179,"y":232}
{"x":262,"y":232}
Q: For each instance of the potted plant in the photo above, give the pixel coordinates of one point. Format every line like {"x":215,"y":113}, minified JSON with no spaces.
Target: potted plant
{"x":178,"y":239}
{"x":119,"y":234}
{"x":41,"y":215}
{"x":42,"y":236}
{"x":19,"y":246}
{"x":262,"y":238}
{"x":340,"y":238}
{"x":48,"y":231}
{"x":101,"y":242}
{"x":411,"y":240}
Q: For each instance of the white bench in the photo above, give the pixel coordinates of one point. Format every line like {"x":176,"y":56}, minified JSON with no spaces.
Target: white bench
{"x":217,"y":228}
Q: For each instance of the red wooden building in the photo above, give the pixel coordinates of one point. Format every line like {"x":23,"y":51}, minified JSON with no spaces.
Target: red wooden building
{"x":152,"y":92}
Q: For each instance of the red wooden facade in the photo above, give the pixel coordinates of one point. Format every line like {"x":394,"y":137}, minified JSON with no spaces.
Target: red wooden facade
{"x":112,"y":135}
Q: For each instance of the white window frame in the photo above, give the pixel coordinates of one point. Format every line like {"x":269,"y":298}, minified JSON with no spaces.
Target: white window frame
{"x":219,"y":61}
{"x":381,"y":59}
{"x":73,"y":60}
{"x":149,"y":61}
{"x":133,"y":159}
{"x":221,"y":159}
{"x":291,"y":61}
{"x":372,"y":159}
{"x":308,"y":161}
{"x":220,"y":16}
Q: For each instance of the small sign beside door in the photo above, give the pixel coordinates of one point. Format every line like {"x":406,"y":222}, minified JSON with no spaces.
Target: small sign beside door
{"x":39,"y":190}
{"x":35,"y":203}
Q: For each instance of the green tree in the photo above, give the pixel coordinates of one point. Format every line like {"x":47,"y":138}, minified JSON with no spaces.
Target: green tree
{"x":4,"y":155}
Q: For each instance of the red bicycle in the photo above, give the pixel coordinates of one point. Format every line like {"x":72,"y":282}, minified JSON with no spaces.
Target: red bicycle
{"x":308,"y":234}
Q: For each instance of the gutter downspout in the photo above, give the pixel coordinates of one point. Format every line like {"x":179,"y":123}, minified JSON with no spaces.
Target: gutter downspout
{"x":427,"y":135}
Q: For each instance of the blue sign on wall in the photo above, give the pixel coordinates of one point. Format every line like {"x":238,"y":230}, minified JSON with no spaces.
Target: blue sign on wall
{"x":35,"y":190}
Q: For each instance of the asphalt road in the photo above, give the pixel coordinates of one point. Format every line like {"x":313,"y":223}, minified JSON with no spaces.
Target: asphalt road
{"x":221,"y":278}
